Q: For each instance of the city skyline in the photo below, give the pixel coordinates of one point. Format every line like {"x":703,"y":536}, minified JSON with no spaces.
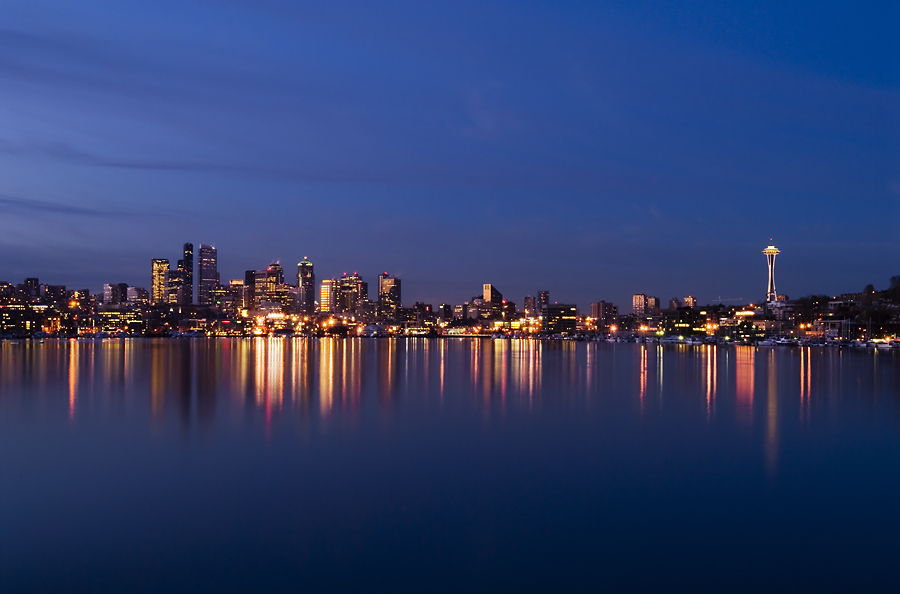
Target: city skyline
{"x":649,"y":149}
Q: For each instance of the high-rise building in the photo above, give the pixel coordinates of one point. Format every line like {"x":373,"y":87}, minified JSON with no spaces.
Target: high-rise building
{"x":770,"y":253}
{"x":529,"y":304}
{"x":690,"y":301}
{"x":639,"y":304}
{"x":186,"y":266}
{"x":32,"y":288}
{"x":652,"y":305}
{"x":175,"y":286}
{"x":495,"y":298}
{"x":445,"y":312}
{"x":388,"y":296}
{"x":158,"y":271}
{"x":208,"y":273}
{"x":306,"y":283}
{"x":328,"y":295}
{"x":352,"y":290}
{"x":674,"y":303}
{"x":604,"y":313}
{"x":543,"y":299}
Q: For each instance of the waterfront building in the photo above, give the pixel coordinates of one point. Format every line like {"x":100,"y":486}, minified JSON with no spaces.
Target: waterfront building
{"x":653,"y":305}
{"x":543,"y":299}
{"x":604,"y":313}
{"x":306,"y":283}
{"x":209,"y":275}
{"x":558,"y":318}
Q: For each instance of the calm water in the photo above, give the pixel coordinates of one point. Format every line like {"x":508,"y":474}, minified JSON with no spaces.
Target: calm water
{"x":454,"y":465}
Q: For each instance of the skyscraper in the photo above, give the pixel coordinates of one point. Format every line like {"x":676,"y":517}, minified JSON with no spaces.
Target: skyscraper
{"x":388,"y":296}
{"x":209,"y":274}
{"x":495,"y":298}
{"x":543,"y":299}
{"x":639,"y":304}
{"x":186,"y":266}
{"x":306,"y":282}
{"x":530,"y":307}
{"x":690,"y":301}
{"x":158,"y":269}
{"x":328,"y":293}
{"x":352,"y":290}
{"x":770,"y":253}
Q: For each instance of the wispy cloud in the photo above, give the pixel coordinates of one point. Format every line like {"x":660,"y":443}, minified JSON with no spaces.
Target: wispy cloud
{"x":31,"y":206}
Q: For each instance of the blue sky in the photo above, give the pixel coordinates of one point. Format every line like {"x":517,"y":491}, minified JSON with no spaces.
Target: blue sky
{"x":591,"y":149}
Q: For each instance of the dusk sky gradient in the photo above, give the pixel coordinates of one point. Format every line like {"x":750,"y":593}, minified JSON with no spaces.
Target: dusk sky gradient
{"x":595,"y":150}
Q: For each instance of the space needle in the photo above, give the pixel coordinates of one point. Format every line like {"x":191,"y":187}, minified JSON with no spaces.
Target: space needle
{"x":770,"y":253}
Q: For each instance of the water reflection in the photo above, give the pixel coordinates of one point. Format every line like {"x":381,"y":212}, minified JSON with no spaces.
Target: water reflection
{"x":196,"y":380}
{"x":745,"y":362}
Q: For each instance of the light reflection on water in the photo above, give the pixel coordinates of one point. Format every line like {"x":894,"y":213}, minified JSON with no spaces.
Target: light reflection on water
{"x":514,"y":454}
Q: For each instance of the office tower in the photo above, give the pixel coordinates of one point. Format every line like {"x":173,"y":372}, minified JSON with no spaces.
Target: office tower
{"x":529,"y":304}
{"x":652,"y":305}
{"x":32,"y":288}
{"x":186,"y":266}
{"x":690,"y":301}
{"x":137,"y":295}
{"x":674,"y":303}
{"x":558,"y":318}
{"x":115,"y":294}
{"x":352,"y":291}
{"x":495,"y":299}
{"x":445,"y":311}
{"x":543,"y":299}
{"x":209,"y":274}
{"x":175,"y":286}
{"x":158,"y":269}
{"x":605,"y":313}
{"x":770,"y":253}
{"x":639,"y":304}
{"x":461,"y":312}
{"x":388,"y":296}
{"x":328,"y":294}
{"x":306,"y":282}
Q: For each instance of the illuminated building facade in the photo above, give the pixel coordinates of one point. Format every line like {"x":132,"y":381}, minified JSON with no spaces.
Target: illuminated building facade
{"x":175,"y":286}
{"x":604,"y":313}
{"x":494,"y":298}
{"x":208,"y":273}
{"x":389,"y":295}
{"x":328,"y":294}
{"x":543,"y":299}
{"x":639,"y":304}
{"x":353,"y":290}
{"x":558,"y":318}
{"x":770,"y":253}
{"x":529,"y":304}
{"x":158,"y":271}
{"x":690,"y":301}
{"x":306,"y":283}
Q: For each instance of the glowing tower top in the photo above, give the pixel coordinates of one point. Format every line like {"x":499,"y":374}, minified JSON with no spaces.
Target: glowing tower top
{"x":770,"y":253}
